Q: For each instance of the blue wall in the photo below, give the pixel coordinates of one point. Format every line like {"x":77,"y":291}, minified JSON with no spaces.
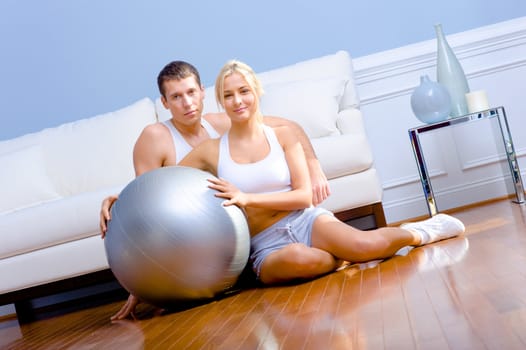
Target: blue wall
{"x":63,"y":60}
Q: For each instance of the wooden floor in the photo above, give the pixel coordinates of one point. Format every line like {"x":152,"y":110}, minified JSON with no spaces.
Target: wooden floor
{"x":463,"y":293}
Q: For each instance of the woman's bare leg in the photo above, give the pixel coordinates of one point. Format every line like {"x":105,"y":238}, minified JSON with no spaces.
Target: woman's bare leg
{"x":348,"y":243}
{"x":296,"y":261}
{"x":351,"y":244}
{"x":333,"y":240}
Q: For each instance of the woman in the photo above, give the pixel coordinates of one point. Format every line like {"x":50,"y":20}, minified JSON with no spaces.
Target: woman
{"x":263,"y":170}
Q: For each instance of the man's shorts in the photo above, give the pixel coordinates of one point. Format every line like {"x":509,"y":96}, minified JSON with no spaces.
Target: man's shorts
{"x":293,"y":228}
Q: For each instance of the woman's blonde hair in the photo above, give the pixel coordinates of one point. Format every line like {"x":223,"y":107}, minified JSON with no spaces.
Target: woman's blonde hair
{"x":235,"y":66}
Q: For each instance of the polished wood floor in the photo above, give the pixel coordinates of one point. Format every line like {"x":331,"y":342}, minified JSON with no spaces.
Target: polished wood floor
{"x":464,"y":293}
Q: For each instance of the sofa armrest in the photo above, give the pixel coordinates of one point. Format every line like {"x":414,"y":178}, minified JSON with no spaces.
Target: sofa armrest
{"x":350,"y":121}
{"x":342,"y":155}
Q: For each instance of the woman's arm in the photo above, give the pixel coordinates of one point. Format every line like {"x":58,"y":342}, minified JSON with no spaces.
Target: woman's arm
{"x":203,"y":157}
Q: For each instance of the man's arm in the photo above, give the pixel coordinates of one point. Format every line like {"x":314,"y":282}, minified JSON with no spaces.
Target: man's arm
{"x":320,"y":185}
{"x":151,"y":149}
{"x":149,"y":153}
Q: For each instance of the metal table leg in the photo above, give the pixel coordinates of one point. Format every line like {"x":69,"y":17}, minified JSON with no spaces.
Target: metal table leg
{"x":424,"y":175}
{"x":510,"y":154}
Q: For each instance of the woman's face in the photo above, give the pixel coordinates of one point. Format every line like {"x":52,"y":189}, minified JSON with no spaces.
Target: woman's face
{"x":239,"y":98}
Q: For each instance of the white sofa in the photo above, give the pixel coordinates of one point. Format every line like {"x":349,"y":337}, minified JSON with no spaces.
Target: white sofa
{"x":53,"y":181}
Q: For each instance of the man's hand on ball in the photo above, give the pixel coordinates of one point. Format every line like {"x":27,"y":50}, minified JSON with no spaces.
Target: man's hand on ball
{"x":228,"y":191}
{"x":127,"y":309}
{"x":105,"y":214}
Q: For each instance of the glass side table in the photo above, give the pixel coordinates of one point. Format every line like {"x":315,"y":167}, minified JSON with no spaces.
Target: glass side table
{"x":500,"y":114}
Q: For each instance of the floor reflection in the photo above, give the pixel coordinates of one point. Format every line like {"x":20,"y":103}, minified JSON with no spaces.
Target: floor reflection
{"x":339,"y":319}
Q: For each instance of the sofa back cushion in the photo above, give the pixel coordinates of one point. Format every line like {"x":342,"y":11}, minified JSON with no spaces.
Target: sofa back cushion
{"x":23,"y":179}
{"x":311,"y":103}
{"x":335,"y":66}
{"x":96,"y":152}
{"x":74,"y":157}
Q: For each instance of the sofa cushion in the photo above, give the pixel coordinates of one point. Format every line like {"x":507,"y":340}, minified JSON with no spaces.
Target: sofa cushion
{"x":162,"y":113}
{"x":51,"y":223}
{"x":349,"y":192}
{"x":53,"y":264}
{"x":210,"y":104}
{"x":350,"y":121}
{"x":24,"y":179}
{"x":96,"y":152}
{"x":343,"y":155}
{"x":311,"y":103}
{"x":338,"y":65}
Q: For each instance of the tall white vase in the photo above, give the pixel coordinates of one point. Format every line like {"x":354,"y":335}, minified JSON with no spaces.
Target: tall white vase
{"x":451,"y":75}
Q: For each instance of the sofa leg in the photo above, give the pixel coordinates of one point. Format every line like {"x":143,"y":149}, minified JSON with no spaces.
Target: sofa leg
{"x":379,"y":215}
{"x":25,"y":311}
{"x":366,"y":218}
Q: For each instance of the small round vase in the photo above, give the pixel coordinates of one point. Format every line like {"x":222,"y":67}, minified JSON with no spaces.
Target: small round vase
{"x":430,"y":101}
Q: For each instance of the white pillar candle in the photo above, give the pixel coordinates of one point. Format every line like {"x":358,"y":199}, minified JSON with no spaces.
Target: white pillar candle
{"x":477,"y":101}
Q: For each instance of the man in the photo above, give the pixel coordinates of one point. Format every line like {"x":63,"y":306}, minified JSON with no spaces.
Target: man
{"x":166,"y":143}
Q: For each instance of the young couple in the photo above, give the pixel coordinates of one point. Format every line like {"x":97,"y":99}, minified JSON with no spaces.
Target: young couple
{"x":265,"y":166}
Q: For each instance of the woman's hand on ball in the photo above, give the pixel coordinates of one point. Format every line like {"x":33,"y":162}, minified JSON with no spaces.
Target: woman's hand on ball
{"x":228,"y":191}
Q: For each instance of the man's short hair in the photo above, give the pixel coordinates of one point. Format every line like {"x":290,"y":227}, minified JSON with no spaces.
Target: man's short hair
{"x":176,"y":70}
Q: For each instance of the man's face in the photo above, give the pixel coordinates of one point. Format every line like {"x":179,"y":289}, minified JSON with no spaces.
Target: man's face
{"x":184,"y":99}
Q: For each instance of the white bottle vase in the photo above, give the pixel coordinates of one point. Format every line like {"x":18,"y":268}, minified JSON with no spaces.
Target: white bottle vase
{"x":451,"y":75}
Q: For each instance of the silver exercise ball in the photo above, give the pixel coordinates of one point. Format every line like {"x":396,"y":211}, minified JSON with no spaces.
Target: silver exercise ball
{"x":170,"y":239}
